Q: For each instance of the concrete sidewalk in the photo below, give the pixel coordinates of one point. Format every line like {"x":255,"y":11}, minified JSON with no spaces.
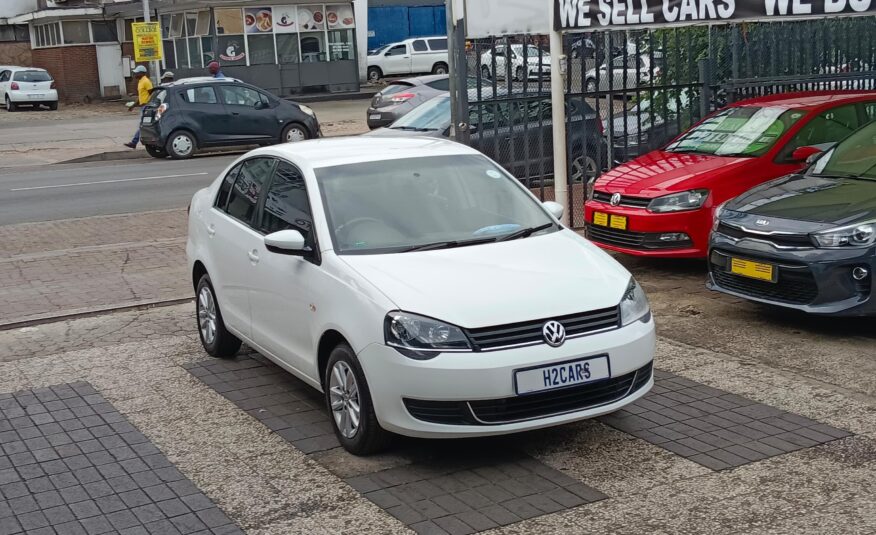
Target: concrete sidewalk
{"x":40,"y":137}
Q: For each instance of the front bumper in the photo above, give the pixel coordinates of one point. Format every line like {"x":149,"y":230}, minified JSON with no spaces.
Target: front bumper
{"x":489,"y":375}
{"x":812,"y":280}
{"x":644,"y":228}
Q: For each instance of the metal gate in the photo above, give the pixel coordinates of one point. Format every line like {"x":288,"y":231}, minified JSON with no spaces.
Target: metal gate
{"x":630,"y":92}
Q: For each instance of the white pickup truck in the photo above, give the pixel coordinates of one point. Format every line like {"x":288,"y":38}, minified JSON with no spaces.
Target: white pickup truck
{"x":411,"y":56}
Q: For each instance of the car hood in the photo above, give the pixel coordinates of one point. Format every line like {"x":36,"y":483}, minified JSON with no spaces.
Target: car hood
{"x":659,"y":173}
{"x":498,"y":283}
{"x":627,"y":126}
{"x":833,"y":201}
{"x":391,"y":132}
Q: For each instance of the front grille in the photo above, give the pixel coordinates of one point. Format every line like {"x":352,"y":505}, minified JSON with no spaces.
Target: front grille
{"x":782,"y":240}
{"x":530,"y":332}
{"x":570,"y":399}
{"x":637,"y":202}
{"x":794,"y":284}
{"x":531,"y":406}
{"x":632,"y":240}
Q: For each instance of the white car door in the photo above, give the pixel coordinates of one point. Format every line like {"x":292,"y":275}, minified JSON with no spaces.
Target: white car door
{"x":421,"y":57}
{"x":4,"y":84}
{"x":284,"y":296}
{"x":235,"y":246}
{"x":397,"y":60}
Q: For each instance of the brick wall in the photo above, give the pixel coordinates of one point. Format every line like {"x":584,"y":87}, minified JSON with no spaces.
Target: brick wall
{"x":15,"y":54}
{"x":74,"y":69}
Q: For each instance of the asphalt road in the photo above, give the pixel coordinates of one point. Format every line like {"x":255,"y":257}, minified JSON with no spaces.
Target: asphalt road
{"x":55,"y":192}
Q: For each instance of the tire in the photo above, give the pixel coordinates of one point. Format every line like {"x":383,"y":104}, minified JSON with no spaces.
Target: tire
{"x":583,"y":168}
{"x":440,"y":68}
{"x":367,"y":437}
{"x":519,"y":74}
{"x":181,"y":145}
{"x":485,"y":73}
{"x":53,"y":106}
{"x":215,"y":338}
{"x":156,"y":152}
{"x":590,"y":86}
{"x":374,"y":74}
{"x":293,"y":133}
{"x":10,"y":106}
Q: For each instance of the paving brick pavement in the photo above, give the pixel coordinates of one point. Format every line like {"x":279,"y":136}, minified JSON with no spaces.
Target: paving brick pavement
{"x":80,"y":265}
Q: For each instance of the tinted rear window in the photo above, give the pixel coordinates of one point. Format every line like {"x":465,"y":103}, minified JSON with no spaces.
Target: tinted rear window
{"x":438,"y":44}
{"x":32,"y":76}
{"x":396,"y":88}
{"x":441,"y":85}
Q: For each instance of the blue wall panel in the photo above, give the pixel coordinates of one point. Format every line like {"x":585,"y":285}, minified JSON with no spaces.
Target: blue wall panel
{"x":390,"y":24}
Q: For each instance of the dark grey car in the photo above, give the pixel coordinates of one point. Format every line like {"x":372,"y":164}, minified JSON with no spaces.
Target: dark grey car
{"x":805,"y":241}
{"x":402,"y":96}
{"x":650,"y":124}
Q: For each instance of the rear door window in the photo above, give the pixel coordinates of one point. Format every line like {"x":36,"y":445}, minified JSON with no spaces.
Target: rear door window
{"x":243,"y":199}
{"x":236,"y":95}
{"x":4,"y":76}
{"x":225,"y":187}
{"x":420,"y":46}
{"x":200,"y":95}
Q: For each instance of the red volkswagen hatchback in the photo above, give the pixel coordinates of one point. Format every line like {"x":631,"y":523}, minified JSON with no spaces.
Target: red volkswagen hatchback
{"x":662,"y":203}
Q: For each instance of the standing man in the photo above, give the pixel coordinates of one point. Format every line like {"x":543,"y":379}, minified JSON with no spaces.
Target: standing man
{"x":144,"y":88}
{"x":215,"y":70}
{"x":167,"y":77}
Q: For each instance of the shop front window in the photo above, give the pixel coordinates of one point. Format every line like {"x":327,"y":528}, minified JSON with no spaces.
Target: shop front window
{"x":104,"y":31}
{"x":182,"y":54}
{"x":341,"y":45}
{"x":194,"y":52}
{"x":207,"y":50}
{"x":75,"y":32}
{"x":169,"y":54}
{"x":287,"y":48}
{"x":261,"y":49}
{"x":229,"y":21}
{"x":232,"y":50}
{"x":312,"y":47}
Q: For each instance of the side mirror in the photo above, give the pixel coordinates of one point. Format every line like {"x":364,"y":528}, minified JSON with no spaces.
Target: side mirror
{"x":289,"y":242}
{"x":803,"y":154}
{"x":556,"y":209}
{"x":260,"y":105}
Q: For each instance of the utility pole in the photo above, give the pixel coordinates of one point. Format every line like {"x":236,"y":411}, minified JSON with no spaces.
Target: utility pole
{"x":154,"y":66}
{"x":558,"y":119}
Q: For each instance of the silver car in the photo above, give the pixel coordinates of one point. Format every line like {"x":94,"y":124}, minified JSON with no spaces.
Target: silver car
{"x":402,"y":96}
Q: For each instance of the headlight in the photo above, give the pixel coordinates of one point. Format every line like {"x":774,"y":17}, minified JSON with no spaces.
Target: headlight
{"x":307,"y":109}
{"x":589,"y":187}
{"x":717,"y":217}
{"x":679,"y":202}
{"x":634,"y":304}
{"x":420,"y":337}
{"x":857,"y":235}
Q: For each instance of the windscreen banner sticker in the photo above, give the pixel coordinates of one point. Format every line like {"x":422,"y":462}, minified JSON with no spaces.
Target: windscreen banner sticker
{"x":617,"y":14}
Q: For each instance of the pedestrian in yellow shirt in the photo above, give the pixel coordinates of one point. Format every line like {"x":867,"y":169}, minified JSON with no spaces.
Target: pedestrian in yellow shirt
{"x":144,"y":90}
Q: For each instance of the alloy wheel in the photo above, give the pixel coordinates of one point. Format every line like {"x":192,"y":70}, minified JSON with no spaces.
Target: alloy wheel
{"x":344,"y":399}
{"x":583,"y":168}
{"x":207,"y":315}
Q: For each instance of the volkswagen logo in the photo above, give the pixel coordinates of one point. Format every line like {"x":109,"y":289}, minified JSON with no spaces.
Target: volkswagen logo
{"x":615,"y":199}
{"x":762,"y":222}
{"x":554,"y":333}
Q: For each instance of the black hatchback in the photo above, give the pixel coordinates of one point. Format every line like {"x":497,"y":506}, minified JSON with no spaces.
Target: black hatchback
{"x":805,"y":241}
{"x":195,"y":113}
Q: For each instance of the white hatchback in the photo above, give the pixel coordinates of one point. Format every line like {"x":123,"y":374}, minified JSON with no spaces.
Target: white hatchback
{"x":27,"y":86}
{"x":417,"y":284}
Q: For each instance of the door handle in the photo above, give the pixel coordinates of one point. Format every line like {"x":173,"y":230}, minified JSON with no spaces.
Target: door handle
{"x":211,"y":230}
{"x":235,"y":113}
{"x":253,"y":256}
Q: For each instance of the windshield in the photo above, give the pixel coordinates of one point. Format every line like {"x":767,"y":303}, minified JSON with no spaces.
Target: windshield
{"x":377,"y":51}
{"x":855,"y":156}
{"x":391,"y":206}
{"x":743,"y":131}
{"x":431,"y":115}
{"x":157,"y":98}
{"x":32,"y":76}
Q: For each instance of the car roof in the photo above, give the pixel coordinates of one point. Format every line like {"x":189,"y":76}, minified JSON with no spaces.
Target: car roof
{"x":200,"y":80}
{"x":17,"y":68}
{"x":328,"y":152}
{"x":807,"y":100}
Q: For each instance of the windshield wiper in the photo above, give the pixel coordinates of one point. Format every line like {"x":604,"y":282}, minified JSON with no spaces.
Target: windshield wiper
{"x":690,"y":151}
{"x":413,"y":128}
{"x":447,"y":244}
{"x":524,"y":232}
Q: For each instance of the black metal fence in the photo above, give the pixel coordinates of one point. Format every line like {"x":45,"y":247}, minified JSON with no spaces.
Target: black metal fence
{"x":631,"y":92}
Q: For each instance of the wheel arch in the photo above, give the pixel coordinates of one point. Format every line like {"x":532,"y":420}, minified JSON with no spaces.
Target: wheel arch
{"x":198,"y":271}
{"x":328,"y":341}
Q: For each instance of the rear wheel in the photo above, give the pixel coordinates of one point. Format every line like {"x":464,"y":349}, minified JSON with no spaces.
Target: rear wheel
{"x":439,"y":68}
{"x":295,"y":132}
{"x":374,"y":74}
{"x":180,"y":145}
{"x":10,"y":106}
{"x":53,"y":105}
{"x":349,"y":403}
{"x":215,"y":338}
{"x":155,"y":151}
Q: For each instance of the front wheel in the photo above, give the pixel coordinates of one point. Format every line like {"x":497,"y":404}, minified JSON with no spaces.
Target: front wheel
{"x":155,"y":151}
{"x":374,"y":74}
{"x":519,"y":74}
{"x":215,"y":338}
{"x":295,"y":132}
{"x":349,"y":403}
{"x":181,"y":145}
{"x":583,"y":169}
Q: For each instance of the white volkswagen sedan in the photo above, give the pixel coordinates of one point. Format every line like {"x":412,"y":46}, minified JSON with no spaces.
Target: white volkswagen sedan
{"x":417,"y":284}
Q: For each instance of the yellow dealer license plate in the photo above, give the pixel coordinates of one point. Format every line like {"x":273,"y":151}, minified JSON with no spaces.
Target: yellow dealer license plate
{"x":609,"y":220}
{"x":753,"y":270}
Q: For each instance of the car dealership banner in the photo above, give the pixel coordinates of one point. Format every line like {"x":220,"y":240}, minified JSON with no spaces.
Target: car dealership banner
{"x":621,"y":14}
